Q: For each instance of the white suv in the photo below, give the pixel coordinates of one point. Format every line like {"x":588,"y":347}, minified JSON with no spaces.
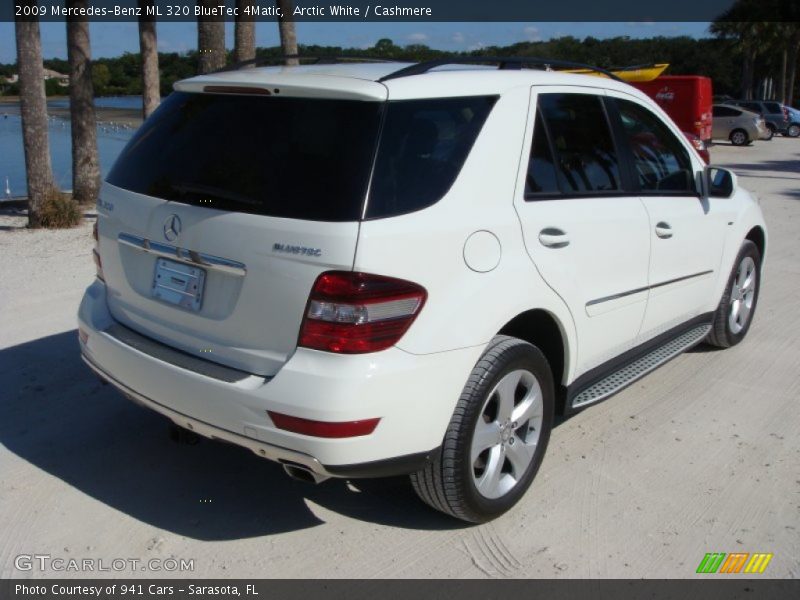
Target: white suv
{"x":361,"y":270}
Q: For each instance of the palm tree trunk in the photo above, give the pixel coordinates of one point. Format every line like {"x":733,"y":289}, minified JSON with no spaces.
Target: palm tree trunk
{"x":33,"y":106}
{"x":287,"y":31}
{"x":244,"y":47}
{"x":148,"y":46}
{"x":210,"y":39}
{"x":85,"y":164}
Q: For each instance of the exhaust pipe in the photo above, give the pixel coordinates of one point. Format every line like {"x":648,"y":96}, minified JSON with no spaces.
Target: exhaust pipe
{"x":302,"y":473}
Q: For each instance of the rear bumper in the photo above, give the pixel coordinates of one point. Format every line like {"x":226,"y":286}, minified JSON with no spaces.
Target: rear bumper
{"x":413,"y":395}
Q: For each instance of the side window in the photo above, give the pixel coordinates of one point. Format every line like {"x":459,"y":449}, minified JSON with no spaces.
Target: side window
{"x":661,"y":161}
{"x":584,"y":154}
{"x":541,"y":177}
{"x":773,"y":107}
{"x":724,"y":111}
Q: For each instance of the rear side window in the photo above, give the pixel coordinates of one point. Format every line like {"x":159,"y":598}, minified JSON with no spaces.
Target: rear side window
{"x":541,"y":177}
{"x":423,"y":146}
{"x":725,"y":111}
{"x":583,"y":150}
{"x":283,"y":157}
{"x":773,"y":107}
{"x":660,"y":160}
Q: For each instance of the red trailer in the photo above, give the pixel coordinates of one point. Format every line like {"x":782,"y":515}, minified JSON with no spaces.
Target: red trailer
{"x":685,"y":98}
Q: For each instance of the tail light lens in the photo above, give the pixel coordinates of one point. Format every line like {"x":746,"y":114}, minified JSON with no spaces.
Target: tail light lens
{"x":355,"y":313}
{"x":98,"y":263}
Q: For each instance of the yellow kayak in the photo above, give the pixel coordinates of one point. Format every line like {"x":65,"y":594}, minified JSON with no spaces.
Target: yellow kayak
{"x":636,"y":74}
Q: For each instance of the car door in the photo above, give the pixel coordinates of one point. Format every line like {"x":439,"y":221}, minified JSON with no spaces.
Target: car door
{"x":686,"y":232}
{"x":724,"y":121}
{"x":587,"y":237}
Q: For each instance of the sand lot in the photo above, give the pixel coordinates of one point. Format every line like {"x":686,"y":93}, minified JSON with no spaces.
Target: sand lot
{"x":701,"y":456}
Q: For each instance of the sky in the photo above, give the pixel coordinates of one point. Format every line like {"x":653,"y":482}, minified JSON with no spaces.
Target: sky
{"x":112,"y":39}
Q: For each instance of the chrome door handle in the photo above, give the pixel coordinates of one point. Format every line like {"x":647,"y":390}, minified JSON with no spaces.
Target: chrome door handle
{"x":663,"y":230}
{"x":553,"y":237}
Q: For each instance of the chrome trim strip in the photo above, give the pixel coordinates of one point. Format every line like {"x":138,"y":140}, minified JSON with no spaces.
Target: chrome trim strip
{"x":645,"y":289}
{"x":198,"y":259}
{"x":275,"y":453}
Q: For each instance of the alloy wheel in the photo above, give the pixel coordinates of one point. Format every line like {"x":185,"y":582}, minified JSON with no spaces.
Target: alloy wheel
{"x":506,"y":434}
{"x":743,"y":293}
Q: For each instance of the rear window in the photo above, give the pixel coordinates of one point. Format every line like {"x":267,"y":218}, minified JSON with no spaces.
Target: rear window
{"x":283,"y":157}
{"x":301,"y":158}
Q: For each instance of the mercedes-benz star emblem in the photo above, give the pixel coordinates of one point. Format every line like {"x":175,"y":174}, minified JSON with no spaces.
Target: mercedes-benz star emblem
{"x":172,"y":228}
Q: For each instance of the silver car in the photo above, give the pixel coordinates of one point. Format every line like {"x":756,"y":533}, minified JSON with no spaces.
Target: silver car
{"x":738,"y":125}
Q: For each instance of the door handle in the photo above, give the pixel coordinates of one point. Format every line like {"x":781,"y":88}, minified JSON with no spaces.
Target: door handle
{"x":663,"y":230}
{"x":553,"y":237}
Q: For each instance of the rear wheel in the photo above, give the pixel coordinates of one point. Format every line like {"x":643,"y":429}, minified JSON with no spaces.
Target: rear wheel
{"x":497,"y":436}
{"x":793,"y":130}
{"x":770,"y":132}
{"x":738,"y":305}
{"x":739,"y":137}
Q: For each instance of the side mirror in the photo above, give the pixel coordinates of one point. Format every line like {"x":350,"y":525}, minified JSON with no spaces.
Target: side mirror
{"x":718,"y":182}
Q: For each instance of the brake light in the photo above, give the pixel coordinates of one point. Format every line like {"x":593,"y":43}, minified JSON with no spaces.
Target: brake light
{"x":325,"y":429}
{"x":98,"y":263}
{"x":355,"y":313}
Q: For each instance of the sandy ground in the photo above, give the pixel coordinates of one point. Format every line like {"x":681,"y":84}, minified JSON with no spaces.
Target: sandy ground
{"x":700,"y":456}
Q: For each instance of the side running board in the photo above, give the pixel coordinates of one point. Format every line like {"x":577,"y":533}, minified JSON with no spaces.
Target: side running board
{"x":622,"y":377}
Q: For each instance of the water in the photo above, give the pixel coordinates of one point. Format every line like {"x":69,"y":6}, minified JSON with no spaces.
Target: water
{"x":110,"y":142}
{"x":131,"y":102}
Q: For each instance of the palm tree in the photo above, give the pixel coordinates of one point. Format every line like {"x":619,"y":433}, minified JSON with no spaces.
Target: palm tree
{"x":33,"y":106}
{"x":210,"y":39}
{"x":287,"y":30}
{"x":85,"y":163}
{"x":244,"y":47}
{"x":148,"y":46}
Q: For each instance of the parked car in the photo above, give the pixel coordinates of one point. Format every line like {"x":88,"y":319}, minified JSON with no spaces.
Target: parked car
{"x":361,"y":270}
{"x":793,"y":129}
{"x":739,"y":125}
{"x":685,"y":98}
{"x":776,"y":117}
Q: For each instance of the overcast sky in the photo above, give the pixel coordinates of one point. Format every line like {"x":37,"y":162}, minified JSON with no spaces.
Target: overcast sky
{"x":112,"y":39}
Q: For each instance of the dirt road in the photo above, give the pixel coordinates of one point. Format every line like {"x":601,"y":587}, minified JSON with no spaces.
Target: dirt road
{"x":700,"y":456}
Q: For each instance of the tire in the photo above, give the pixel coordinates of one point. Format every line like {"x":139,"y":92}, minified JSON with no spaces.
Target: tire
{"x":739,"y":137}
{"x":735,"y":312}
{"x":793,"y":130}
{"x":771,"y":130}
{"x":459,"y":480}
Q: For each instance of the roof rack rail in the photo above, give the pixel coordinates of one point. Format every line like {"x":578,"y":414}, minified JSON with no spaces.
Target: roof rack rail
{"x":503,"y":63}
{"x":314,"y":60}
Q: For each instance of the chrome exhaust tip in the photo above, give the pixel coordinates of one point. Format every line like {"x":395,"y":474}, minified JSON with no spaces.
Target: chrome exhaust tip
{"x":302,"y":473}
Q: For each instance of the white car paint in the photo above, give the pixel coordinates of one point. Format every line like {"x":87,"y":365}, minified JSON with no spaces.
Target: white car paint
{"x":252,"y":324}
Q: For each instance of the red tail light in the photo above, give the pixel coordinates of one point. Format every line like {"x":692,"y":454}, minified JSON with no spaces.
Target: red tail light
{"x":325,"y":429}
{"x":354,"y":313}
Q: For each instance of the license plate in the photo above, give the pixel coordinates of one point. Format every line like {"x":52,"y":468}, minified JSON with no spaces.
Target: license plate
{"x":179,"y":284}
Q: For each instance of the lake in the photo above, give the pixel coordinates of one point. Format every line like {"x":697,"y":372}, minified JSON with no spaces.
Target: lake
{"x":110,"y":142}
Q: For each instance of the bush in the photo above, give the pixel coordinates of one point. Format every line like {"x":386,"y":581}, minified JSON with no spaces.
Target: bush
{"x":59,"y":211}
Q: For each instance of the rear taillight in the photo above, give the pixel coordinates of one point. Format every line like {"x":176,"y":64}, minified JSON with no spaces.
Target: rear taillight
{"x":354,"y":313}
{"x":98,"y":263}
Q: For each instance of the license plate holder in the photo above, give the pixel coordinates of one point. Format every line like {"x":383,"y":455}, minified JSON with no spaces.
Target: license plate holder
{"x":178,"y":284}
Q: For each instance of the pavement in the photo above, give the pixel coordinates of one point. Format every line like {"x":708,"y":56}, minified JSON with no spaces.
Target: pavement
{"x":700,"y":456}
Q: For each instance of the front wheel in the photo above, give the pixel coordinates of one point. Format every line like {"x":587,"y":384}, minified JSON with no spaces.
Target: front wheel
{"x":793,"y":130}
{"x":497,"y":436}
{"x":735,"y":312}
